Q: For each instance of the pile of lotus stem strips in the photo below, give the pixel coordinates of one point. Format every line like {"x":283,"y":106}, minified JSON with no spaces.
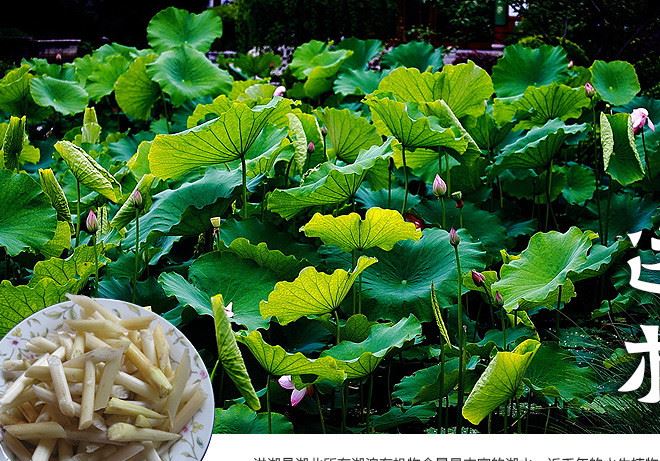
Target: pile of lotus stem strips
{"x":100,"y":388}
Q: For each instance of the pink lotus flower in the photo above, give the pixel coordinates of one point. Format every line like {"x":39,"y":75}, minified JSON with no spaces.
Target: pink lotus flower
{"x":92,"y":222}
{"x":589,"y":89}
{"x":229,"y":310}
{"x":439,"y":186}
{"x":640,"y":117}
{"x":279,"y":91}
{"x":296,"y":394}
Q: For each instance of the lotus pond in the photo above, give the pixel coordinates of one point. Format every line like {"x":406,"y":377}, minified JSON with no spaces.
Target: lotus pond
{"x":358,"y":240}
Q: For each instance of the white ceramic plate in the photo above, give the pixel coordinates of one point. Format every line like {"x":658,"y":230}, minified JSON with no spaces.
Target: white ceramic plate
{"x":196,"y":436}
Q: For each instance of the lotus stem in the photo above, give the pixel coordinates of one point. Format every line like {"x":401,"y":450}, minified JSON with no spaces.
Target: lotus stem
{"x":344,"y":407}
{"x":338,"y":328}
{"x":647,"y":160}
{"x":558,"y":307}
{"x":460,"y":218}
{"x":405,"y":179}
{"x":244,"y":176}
{"x":504,"y":320}
{"x":441,"y":401}
{"x":444,"y":213}
{"x":447,"y":173}
{"x":389,"y":182}
{"x":136,"y":266}
{"x":77,"y":213}
{"x":270,"y":414}
{"x":597,"y":166}
{"x":548,"y":191}
{"x":96,"y":266}
{"x":320,"y":409}
{"x":459,"y":406}
{"x":287,"y":173}
{"x":370,"y":393}
{"x":354,"y":289}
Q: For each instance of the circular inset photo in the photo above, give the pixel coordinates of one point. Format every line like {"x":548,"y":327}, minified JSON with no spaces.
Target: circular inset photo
{"x":102,"y":379}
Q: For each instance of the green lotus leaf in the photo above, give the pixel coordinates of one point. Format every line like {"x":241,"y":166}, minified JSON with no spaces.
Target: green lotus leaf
{"x":126,"y":213}
{"x":173,"y":27}
{"x":535,"y":278}
{"x":360,"y":359}
{"x":616,"y":81}
{"x":600,"y":259}
{"x":522,"y":67}
{"x":348,"y":133}
{"x":188,"y":295}
{"x":312,"y":292}
{"x":487,"y":132}
{"x":19,"y":302}
{"x":379,"y":228}
{"x":555,"y":373}
{"x":15,"y":91}
{"x":274,"y":260}
{"x":329,"y":185}
{"x":240,"y":419}
{"x":16,"y":143}
{"x":410,"y":127}
{"x":620,"y":157}
{"x":187,"y":209}
{"x":315,"y":63}
{"x":424,"y":385}
{"x":537,"y":148}
{"x":185,"y":73}
{"x":101,"y":82}
{"x":464,"y":87}
{"x":580,"y":183}
{"x":420,"y":55}
{"x":135,"y":92}
{"x":554,"y":101}
{"x":400,"y":283}
{"x":356,"y":329}
{"x":369,"y":198}
{"x":27,"y":220}
{"x":364,"y":51}
{"x":229,"y":355}
{"x":249,"y":66}
{"x":202,"y":112}
{"x":397,"y":416}
{"x":626,"y":213}
{"x":71,"y":272}
{"x":226,"y":138}
{"x":88,"y":171}
{"x":299,"y":142}
{"x":60,"y":242}
{"x":354,"y":82}
{"x":65,"y":97}
{"x":446,"y":117}
{"x":278,"y":362}
{"x":500,"y":381}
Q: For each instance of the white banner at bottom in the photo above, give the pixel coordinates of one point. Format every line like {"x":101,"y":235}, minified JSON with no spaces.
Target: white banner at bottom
{"x":401,"y":447}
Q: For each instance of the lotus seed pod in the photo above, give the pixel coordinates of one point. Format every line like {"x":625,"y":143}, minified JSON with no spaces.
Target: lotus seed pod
{"x":458,"y":195}
{"x":215,"y":222}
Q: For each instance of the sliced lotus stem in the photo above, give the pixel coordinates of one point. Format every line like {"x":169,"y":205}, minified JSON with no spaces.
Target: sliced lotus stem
{"x":148,"y":346}
{"x":137,"y":323}
{"x":92,"y":342}
{"x":104,"y":389}
{"x":15,"y":417}
{"x":90,"y":436}
{"x":16,"y":447}
{"x":104,"y":354}
{"x":178,"y":386}
{"x":122,"y":407}
{"x":41,"y":345}
{"x":135,"y":385}
{"x":151,"y":454}
{"x":134,"y":337}
{"x":143,"y":421}
{"x":28,"y":411}
{"x":66,"y":341}
{"x":90,"y":306}
{"x":23,"y":381}
{"x":122,"y":432}
{"x":186,"y":413}
{"x":117,"y":391}
{"x":88,"y":393}
{"x":15,"y":365}
{"x":78,"y":347}
{"x":102,"y":328}
{"x":44,"y":450}
{"x":162,"y":350}
{"x":153,"y":374}
{"x":42,"y":373}
{"x":64,"y":450}
{"x":61,"y":386}
{"x":53,"y":414}
{"x":37,"y":431}
{"x":102,"y":453}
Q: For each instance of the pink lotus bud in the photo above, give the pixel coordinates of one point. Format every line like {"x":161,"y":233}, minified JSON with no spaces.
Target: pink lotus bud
{"x":279,"y":91}
{"x":92,"y":222}
{"x":136,"y":197}
{"x":589,"y":90}
{"x":498,"y":299}
{"x":324,"y":131}
{"x":478,"y":278}
{"x":286,"y":382}
{"x":439,"y":186}
{"x":640,"y":117}
{"x":454,"y":238}
{"x":311,"y":148}
{"x":570,"y":64}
